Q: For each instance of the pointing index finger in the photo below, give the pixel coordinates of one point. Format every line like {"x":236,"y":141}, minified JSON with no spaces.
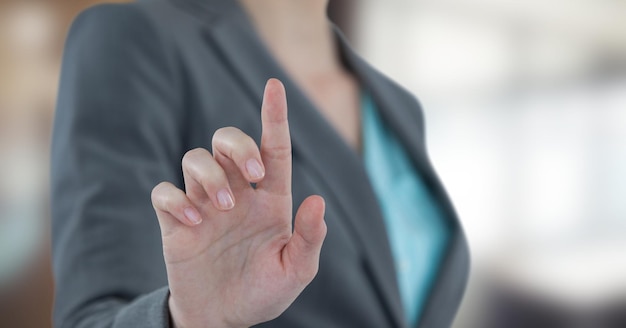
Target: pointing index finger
{"x":275,"y":139}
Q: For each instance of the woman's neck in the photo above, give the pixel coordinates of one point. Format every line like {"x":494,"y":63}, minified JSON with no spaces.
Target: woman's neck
{"x":298,"y":34}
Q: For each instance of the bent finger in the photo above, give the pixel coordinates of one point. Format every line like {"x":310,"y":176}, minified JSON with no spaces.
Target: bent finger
{"x":205,"y":180}
{"x":172,"y":206}
{"x":241,"y":149}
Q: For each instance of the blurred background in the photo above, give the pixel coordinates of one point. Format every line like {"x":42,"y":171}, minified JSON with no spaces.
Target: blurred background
{"x":525,"y":103}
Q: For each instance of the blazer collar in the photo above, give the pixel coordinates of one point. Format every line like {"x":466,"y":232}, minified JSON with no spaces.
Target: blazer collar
{"x":403,"y":114}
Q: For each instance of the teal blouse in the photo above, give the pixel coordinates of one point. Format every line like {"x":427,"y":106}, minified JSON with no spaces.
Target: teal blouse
{"x":417,"y":231}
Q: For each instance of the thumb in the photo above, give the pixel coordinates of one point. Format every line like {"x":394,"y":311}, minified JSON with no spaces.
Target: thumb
{"x":302,"y":252}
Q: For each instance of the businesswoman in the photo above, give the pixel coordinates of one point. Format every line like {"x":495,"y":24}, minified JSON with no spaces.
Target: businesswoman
{"x":329,"y":142}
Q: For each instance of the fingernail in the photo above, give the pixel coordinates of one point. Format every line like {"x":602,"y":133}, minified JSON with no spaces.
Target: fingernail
{"x":193,"y":215}
{"x":225,"y":200}
{"x":254,"y":169}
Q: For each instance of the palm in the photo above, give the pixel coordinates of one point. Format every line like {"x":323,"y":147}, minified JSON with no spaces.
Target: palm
{"x":246,"y":257}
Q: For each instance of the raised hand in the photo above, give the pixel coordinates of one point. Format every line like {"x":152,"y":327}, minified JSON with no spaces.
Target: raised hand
{"x":231,"y":256}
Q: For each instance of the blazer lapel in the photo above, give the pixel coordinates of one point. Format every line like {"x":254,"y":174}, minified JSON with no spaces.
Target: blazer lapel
{"x":449,"y":287}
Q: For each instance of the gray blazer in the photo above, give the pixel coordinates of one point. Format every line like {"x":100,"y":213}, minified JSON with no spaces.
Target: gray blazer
{"x":144,"y":82}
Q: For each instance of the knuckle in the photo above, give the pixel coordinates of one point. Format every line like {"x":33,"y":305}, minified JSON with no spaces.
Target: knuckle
{"x":234,"y":143}
{"x":225,"y":134}
{"x":159,"y":195}
{"x":225,"y":131}
{"x":278,"y":152}
{"x":158,"y":190}
{"x":191,"y":156}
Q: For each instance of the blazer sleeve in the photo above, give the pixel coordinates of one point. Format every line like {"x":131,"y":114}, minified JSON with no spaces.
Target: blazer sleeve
{"x":118,"y":131}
